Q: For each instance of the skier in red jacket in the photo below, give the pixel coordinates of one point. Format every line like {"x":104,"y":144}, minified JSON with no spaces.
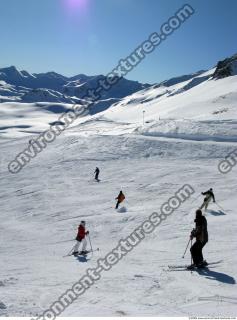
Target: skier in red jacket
{"x":81,"y":237}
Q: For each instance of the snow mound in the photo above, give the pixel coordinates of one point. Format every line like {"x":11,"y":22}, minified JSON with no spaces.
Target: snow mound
{"x":219,"y":130}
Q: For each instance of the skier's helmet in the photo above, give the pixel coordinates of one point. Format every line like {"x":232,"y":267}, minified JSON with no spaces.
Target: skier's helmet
{"x":83,"y":222}
{"x":211,"y":189}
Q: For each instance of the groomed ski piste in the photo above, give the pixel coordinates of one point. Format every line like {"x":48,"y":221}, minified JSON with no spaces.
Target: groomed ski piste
{"x":183,"y":140}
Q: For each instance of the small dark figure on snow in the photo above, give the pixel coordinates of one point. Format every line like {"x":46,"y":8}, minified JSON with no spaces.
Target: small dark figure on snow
{"x":208,"y":196}
{"x":31,"y":141}
{"x":97,"y":172}
{"x":120,"y":199}
{"x":81,"y":237}
{"x":201,"y":235}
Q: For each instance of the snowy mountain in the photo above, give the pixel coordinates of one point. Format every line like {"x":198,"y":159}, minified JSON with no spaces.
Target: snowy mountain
{"x":65,"y":89}
{"x":122,"y":89}
{"x":162,"y":104}
{"x":49,"y":80}
{"x":42,"y":95}
{"x":149,"y":144}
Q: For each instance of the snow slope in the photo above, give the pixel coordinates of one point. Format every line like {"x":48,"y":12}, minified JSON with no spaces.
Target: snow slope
{"x":207,"y":111}
{"x":187,"y":132}
{"x":43,"y":204}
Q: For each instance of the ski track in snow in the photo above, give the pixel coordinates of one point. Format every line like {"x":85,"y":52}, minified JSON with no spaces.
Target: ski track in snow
{"x":43,"y":204}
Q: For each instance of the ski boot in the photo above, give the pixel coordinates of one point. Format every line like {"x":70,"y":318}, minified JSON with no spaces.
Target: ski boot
{"x":83,"y":253}
{"x":202,"y":264}
{"x":191,"y":267}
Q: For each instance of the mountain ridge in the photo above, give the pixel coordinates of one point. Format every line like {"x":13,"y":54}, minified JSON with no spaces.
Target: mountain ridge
{"x":24,"y":87}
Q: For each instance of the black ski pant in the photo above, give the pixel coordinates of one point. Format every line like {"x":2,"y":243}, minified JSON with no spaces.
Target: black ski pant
{"x":96,"y":176}
{"x":196,"y":251}
{"x":117,"y":205}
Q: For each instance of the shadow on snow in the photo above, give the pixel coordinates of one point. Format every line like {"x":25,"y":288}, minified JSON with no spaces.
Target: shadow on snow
{"x":82,"y":258}
{"x":218,"y":276}
{"x":216,"y":213}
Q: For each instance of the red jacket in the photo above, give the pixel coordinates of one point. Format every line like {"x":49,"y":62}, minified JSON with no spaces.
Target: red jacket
{"x":81,"y":233}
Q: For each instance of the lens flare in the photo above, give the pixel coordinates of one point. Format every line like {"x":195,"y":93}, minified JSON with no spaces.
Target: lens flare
{"x":76,"y":12}
{"x":76,"y":4}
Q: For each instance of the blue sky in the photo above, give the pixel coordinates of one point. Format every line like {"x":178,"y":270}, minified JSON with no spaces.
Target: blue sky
{"x":91,"y":36}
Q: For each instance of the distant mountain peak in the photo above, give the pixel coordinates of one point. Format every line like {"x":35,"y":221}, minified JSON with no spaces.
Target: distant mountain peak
{"x":10,"y":70}
{"x":51,"y":74}
{"x":34,"y":87}
{"x":226,"y":68}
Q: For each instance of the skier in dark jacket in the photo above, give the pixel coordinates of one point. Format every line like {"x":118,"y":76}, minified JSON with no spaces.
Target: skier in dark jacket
{"x":81,"y":237}
{"x":209,"y":195}
{"x":97,"y":172}
{"x":201,"y":234}
{"x":120,"y":199}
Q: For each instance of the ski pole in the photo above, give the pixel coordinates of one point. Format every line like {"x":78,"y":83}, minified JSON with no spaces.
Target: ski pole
{"x":186,"y":248}
{"x":69,"y":253}
{"x":219,"y":206}
{"x":90,"y":243}
{"x":191,"y":253}
{"x":195,"y":198}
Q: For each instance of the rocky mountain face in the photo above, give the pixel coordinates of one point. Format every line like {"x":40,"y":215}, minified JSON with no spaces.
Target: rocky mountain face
{"x":226,"y":68}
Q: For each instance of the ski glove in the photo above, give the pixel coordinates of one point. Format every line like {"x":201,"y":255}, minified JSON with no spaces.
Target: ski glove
{"x":193,"y":233}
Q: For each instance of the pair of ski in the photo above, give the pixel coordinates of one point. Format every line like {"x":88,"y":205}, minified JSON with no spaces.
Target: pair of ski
{"x":192,"y":268}
{"x":81,"y":253}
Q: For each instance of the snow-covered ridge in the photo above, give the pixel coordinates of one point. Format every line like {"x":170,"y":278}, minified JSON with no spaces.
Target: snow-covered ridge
{"x":68,"y":87}
{"x":207,"y":102}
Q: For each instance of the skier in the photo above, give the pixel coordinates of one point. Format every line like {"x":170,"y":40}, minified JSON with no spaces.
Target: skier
{"x":97,"y":171}
{"x":208,"y":196}
{"x":81,"y":237}
{"x":120,"y":199}
{"x":201,"y":235}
